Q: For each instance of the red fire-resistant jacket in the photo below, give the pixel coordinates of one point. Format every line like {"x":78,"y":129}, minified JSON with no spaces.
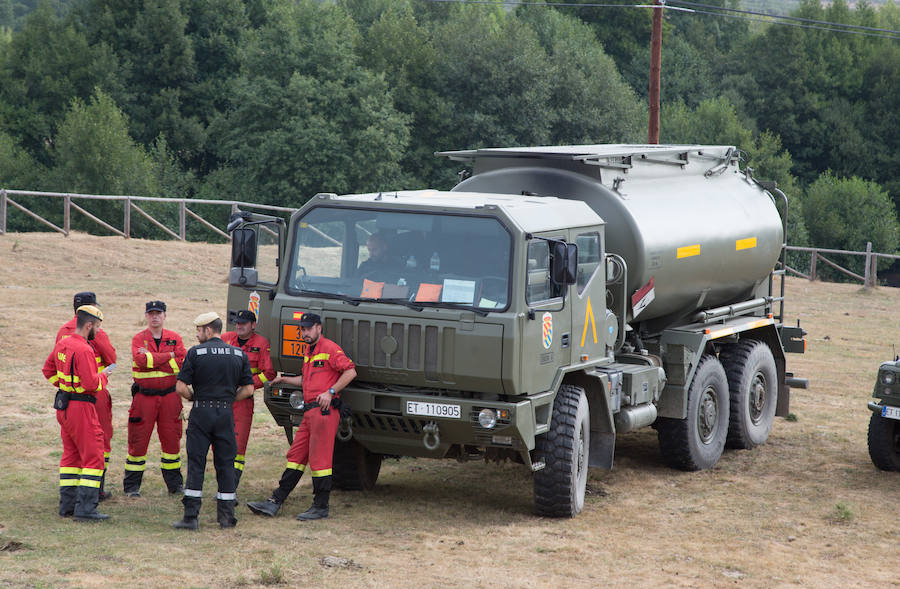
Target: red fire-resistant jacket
{"x":322,"y":367}
{"x":259,"y":354}
{"x":105,"y":352}
{"x":72,"y":367}
{"x":156,"y":369}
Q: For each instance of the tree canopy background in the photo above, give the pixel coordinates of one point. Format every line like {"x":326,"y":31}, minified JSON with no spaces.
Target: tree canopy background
{"x":275,"y":100}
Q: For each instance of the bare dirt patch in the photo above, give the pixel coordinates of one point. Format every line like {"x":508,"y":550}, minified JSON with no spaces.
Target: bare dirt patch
{"x":807,"y":509}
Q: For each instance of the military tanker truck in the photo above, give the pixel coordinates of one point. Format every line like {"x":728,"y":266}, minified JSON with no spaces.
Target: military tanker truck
{"x":556,"y":297}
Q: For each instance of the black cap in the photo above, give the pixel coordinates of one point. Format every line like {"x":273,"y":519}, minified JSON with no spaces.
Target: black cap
{"x":155,"y":306}
{"x":84,"y":298}
{"x":244,"y":315}
{"x":310,"y":319}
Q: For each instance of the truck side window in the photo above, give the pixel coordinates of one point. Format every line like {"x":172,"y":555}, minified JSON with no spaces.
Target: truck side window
{"x":538,"y":286}
{"x":588,"y":258}
{"x":267,"y":252}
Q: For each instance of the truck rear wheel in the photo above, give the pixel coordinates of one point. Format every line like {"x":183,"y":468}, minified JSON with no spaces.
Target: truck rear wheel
{"x":753,"y":385}
{"x":697,"y":442}
{"x":884,"y":442}
{"x":354,"y":467}
{"x":559,"y":487}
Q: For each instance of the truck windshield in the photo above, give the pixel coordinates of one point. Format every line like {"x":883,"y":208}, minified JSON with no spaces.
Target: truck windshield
{"x":396,"y":257}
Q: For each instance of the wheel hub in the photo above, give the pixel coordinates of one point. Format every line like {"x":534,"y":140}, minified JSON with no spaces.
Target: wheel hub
{"x":757,"y":398}
{"x":707,"y":416}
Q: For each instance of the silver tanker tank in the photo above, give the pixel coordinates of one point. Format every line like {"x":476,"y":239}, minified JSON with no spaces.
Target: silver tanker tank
{"x":695,"y":231}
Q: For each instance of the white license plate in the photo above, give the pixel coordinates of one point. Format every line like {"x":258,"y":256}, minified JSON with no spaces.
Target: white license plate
{"x":433,"y":409}
{"x":890,"y":412}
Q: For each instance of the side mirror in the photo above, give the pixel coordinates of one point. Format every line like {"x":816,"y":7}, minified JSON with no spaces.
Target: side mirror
{"x":564,"y":262}
{"x":243,"y":258}
{"x":243,"y":248}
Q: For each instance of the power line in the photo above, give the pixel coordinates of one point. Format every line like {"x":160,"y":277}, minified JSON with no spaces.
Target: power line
{"x":780,"y":17}
{"x":745,"y":15}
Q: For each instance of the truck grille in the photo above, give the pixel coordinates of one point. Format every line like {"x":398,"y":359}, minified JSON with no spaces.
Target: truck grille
{"x":366,"y":341}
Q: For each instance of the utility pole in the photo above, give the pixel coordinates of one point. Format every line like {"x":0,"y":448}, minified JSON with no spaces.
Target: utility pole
{"x":655,"y":62}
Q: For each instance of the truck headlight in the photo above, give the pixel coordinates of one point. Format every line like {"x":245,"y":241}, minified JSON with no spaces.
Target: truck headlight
{"x":487,"y":418}
{"x":296,"y":400}
{"x":887,"y":377}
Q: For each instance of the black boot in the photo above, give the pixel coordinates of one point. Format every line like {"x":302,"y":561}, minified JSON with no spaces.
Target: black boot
{"x":104,"y":493}
{"x":225,"y":513}
{"x":319,"y":509}
{"x":86,"y":505}
{"x":174,"y":480}
{"x":132,"y":483}
{"x":268,"y":507}
{"x":237,"y":478}
{"x":187,"y":523}
{"x":191,"y":511}
{"x":67,"y":498}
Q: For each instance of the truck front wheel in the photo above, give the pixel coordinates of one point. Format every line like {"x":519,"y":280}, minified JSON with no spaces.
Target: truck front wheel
{"x":354,"y":467}
{"x":884,"y":442}
{"x":559,"y":487}
{"x":752,"y":380}
{"x":696,"y":442}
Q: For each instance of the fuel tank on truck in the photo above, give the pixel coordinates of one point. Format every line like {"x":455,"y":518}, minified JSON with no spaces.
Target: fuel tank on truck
{"x":695,"y":231}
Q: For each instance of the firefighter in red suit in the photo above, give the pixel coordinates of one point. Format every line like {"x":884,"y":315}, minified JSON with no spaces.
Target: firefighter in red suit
{"x":156,"y":357}
{"x":105,"y":354}
{"x":326,"y":371}
{"x":72,"y":367}
{"x":256,"y":347}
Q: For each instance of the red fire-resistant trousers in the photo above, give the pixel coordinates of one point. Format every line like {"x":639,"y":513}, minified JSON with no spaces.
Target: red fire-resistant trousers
{"x":104,"y":416}
{"x":147,"y":411}
{"x":82,"y":437}
{"x":314,"y":441}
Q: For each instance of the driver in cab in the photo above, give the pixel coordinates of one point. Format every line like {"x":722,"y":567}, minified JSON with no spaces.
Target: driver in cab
{"x":380,"y":260}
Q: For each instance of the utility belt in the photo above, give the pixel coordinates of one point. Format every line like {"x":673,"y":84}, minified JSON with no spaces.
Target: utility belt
{"x":213,"y":404}
{"x":138,"y":389}
{"x":62,"y":399}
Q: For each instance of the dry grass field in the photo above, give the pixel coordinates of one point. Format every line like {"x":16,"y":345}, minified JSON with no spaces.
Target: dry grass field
{"x":808,"y":509}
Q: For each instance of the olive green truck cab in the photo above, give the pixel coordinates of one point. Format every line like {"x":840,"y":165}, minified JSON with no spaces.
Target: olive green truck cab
{"x":884,"y":424}
{"x":556,"y":297}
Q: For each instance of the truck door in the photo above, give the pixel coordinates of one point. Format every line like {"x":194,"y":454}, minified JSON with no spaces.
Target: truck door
{"x":546,"y":335}
{"x":587,"y":299}
{"x":255,"y":261}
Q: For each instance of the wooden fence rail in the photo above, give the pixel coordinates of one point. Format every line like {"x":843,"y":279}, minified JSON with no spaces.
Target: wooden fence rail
{"x":869,"y":279}
{"x":130,"y":204}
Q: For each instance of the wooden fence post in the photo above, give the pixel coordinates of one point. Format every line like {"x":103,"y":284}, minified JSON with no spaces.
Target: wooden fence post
{"x":867,"y":278}
{"x":3,"y":212}
{"x":812,"y":265}
{"x":67,"y":215}
{"x":181,"y":220}
{"x":126,"y":229}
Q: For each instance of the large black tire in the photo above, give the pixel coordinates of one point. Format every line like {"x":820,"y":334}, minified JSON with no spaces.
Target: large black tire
{"x":884,"y":442}
{"x":697,"y":442}
{"x":753,"y":384}
{"x":354,"y":468}
{"x":559,"y":487}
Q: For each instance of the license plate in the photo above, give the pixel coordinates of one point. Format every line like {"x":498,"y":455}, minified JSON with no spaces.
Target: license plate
{"x":433,"y":409}
{"x":890,"y":412}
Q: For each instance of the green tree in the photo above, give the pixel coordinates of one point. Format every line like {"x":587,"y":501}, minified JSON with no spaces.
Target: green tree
{"x":18,"y":170}
{"x":94,"y":153}
{"x":304,"y":117}
{"x":589,"y":101}
{"x":845,"y":213}
{"x":45,"y":65}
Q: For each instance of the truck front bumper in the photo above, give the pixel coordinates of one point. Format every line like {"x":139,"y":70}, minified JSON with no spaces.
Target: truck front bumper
{"x":428,"y":425}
